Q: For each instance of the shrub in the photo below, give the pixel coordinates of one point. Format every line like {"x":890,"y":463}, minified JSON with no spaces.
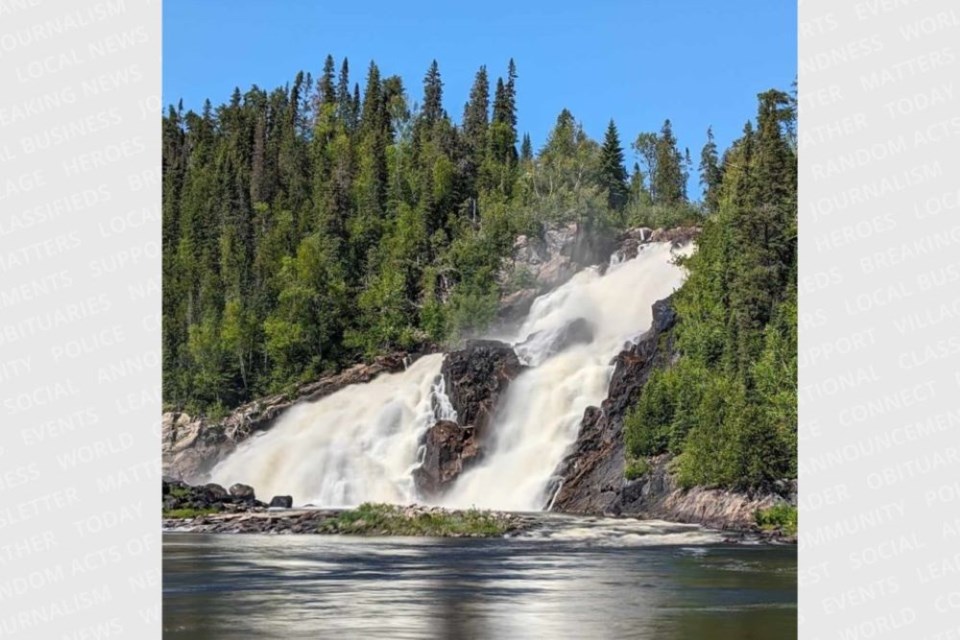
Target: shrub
{"x":636,"y":469}
{"x":781,"y":517}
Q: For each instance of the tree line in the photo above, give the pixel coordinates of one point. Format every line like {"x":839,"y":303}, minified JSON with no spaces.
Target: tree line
{"x":314,"y":225}
{"x":728,"y":407}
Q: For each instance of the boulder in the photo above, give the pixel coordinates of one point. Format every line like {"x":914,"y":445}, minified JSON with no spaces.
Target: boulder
{"x":216,"y":491}
{"x":515,"y":306}
{"x":283,"y":502}
{"x":677,"y":235}
{"x":475,"y":378}
{"x":242,"y":492}
{"x":449,"y":449}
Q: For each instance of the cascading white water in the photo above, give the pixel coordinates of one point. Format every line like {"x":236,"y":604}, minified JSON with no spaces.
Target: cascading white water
{"x":540,"y":415}
{"x":362,"y":442}
{"x":356,"y":445}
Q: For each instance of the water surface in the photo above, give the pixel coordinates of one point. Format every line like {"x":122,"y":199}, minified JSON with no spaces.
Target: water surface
{"x":576,"y":578}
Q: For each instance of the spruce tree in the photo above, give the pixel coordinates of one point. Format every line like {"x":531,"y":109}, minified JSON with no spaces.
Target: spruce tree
{"x":344,"y":103}
{"x":432,"y":95}
{"x":327,"y":93}
{"x":667,"y":179}
{"x":612,"y":174}
{"x":710,"y":173}
{"x":476,"y":115}
{"x":526,"y":149}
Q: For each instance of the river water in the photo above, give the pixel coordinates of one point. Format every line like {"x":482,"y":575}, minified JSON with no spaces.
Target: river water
{"x":573,"y":578}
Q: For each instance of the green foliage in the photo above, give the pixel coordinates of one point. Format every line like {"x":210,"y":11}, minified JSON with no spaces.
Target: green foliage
{"x":386,"y":519}
{"x":636,"y":468}
{"x":728,"y":407}
{"x":311,"y":226}
{"x":782,"y":518}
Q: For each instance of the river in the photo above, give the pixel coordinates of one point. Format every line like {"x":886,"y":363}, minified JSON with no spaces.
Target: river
{"x":572,"y":578}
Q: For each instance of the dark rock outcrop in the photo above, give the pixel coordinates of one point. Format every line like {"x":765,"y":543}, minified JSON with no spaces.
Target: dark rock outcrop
{"x":590,"y":477}
{"x":449,"y":449}
{"x":178,"y":495}
{"x":192,"y":446}
{"x":475,"y":379}
{"x":283,"y":502}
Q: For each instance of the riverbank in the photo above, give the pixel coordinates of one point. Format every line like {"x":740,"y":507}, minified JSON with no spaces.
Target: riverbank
{"x":212,"y":509}
{"x":365,"y":520}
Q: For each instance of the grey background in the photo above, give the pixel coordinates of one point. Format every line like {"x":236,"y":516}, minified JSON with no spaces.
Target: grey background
{"x":80,"y":313}
{"x":880,"y":304}
{"x":79,"y":319}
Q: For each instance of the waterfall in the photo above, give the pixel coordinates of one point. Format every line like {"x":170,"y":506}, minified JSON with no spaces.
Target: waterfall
{"x":362,"y":442}
{"x":356,"y":445}
{"x":540,"y":415}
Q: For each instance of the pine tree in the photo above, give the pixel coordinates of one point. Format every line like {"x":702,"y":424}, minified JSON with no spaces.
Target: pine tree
{"x":326,"y":91}
{"x":345,"y":106}
{"x":432,"y":95}
{"x":476,"y":115}
{"x":612,"y":174}
{"x":710,"y":174}
{"x":669,"y":187}
{"x":526,"y":149}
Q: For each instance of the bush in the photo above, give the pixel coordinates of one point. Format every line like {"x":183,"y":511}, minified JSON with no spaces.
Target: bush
{"x":647,"y":424}
{"x":781,"y":517}
{"x":636,"y":468}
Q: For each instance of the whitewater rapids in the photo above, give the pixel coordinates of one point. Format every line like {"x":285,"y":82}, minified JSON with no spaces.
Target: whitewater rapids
{"x":362,"y":443}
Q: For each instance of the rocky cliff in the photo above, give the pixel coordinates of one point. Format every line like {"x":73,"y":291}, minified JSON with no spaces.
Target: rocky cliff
{"x":591,"y":480}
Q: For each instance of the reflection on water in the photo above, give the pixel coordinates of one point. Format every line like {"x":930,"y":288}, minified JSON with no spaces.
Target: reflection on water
{"x":559,"y":584}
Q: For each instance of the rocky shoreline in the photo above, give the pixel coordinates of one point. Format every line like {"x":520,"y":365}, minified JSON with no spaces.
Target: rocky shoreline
{"x":212,"y":509}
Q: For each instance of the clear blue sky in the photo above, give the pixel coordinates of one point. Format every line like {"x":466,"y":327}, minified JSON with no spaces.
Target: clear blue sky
{"x":697,"y":62}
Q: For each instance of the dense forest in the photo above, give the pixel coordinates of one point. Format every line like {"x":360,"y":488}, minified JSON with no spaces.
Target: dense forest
{"x":729,"y":404}
{"x":315,"y":225}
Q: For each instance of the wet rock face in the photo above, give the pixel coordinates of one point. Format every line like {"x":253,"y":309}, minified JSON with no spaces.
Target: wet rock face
{"x":449,"y":449}
{"x":476,"y":377}
{"x":590,"y":477}
{"x":193,"y":446}
{"x":475,"y":380}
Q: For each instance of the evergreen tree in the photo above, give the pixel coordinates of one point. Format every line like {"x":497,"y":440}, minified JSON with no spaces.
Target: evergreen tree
{"x":345,"y":106}
{"x":326,"y":91}
{"x":613,"y":175}
{"x":668,"y":185}
{"x":710,"y":173}
{"x":526,"y":149}
{"x":432,"y":95}
{"x":476,"y":115}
